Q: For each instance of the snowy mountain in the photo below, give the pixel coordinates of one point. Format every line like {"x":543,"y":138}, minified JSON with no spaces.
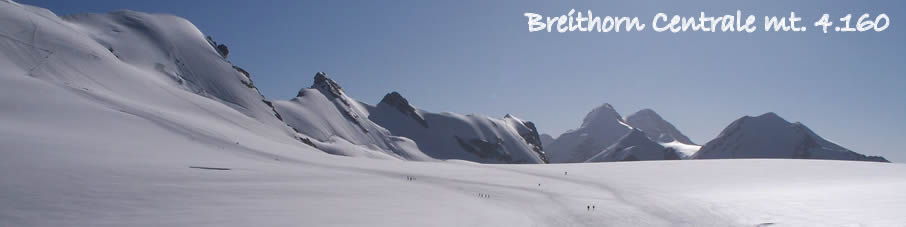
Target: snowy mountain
{"x":606,"y":136}
{"x":656,"y":127}
{"x":152,"y":68}
{"x":134,"y":119}
{"x":602,"y":127}
{"x":340,"y":125}
{"x":770,"y":136}
{"x":635,"y":146}
{"x":455,"y":136}
{"x":661,"y":131}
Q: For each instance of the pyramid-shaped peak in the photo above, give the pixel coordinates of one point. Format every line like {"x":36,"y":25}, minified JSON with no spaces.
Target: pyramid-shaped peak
{"x":321,"y":78}
{"x":395,"y":99}
{"x":604,"y":114}
{"x":656,"y":127}
{"x":770,"y":136}
{"x":645,"y":113}
{"x":606,"y":106}
{"x":325,"y":84}
{"x":763,"y":120}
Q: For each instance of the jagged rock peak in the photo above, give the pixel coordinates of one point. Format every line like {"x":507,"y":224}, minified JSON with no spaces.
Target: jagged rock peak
{"x":324,"y":83}
{"x":397,"y":101}
{"x":602,"y":113}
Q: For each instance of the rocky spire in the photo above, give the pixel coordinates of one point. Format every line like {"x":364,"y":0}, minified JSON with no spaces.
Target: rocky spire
{"x":397,"y":101}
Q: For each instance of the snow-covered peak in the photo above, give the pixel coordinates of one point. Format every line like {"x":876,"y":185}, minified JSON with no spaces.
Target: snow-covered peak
{"x":327,"y":85}
{"x":656,"y":127}
{"x":604,"y":114}
{"x":397,"y":101}
{"x":767,"y":118}
{"x":456,"y":136}
{"x":601,"y":127}
{"x":770,"y":136}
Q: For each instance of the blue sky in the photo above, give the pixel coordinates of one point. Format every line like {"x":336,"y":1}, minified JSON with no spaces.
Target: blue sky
{"x":478,"y":57}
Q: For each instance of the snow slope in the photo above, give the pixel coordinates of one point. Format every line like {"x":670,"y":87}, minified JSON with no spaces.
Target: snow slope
{"x":136,"y":63}
{"x":601,"y":127}
{"x":662,"y":132}
{"x":455,"y":136}
{"x":340,"y":125}
{"x":770,"y":136}
{"x":635,"y":146}
{"x":87,"y":139}
{"x":685,"y":151}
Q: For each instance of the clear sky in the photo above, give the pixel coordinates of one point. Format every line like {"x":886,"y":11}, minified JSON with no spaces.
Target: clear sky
{"x":478,"y":57}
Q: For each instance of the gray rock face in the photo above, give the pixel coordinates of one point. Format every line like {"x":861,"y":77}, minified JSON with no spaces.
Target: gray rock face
{"x":327,"y":86}
{"x":221,"y":49}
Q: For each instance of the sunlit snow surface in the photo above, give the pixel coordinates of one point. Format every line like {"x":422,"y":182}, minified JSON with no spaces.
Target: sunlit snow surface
{"x":685,"y":150}
{"x":93,"y":137}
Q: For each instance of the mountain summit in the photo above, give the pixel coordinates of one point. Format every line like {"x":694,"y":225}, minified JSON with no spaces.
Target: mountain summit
{"x":656,"y":127}
{"x":600,"y":128}
{"x":770,"y":136}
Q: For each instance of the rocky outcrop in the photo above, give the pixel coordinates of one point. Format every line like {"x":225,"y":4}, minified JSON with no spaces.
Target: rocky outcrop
{"x":221,"y":49}
{"x":397,"y":101}
{"x":530,"y":134}
{"x":332,"y":90}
